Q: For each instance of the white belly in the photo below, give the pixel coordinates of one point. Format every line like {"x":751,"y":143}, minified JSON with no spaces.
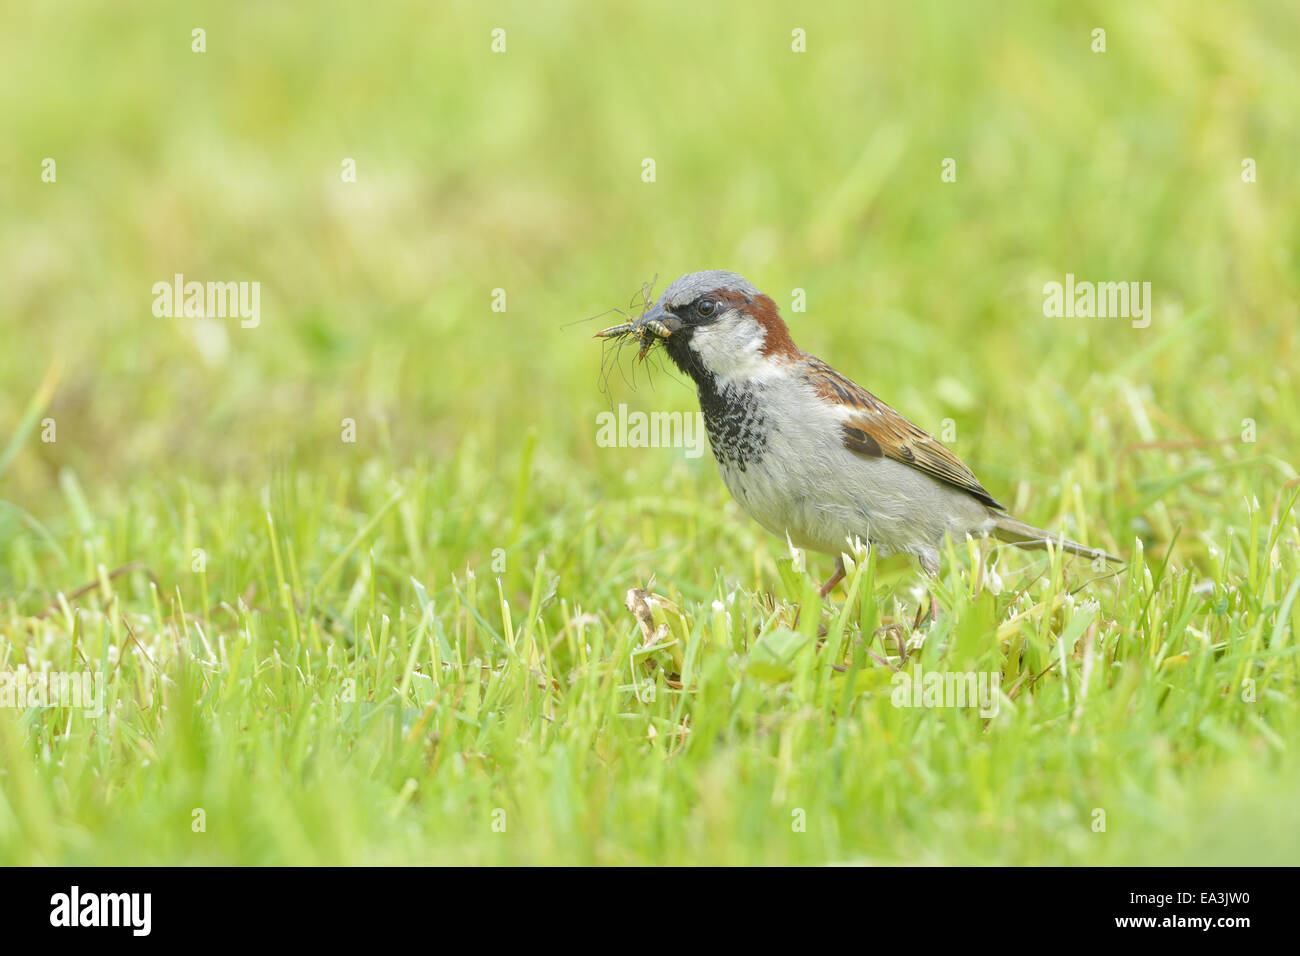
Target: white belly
{"x":808,"y":487}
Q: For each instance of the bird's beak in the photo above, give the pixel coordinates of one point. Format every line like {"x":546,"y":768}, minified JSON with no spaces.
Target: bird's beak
{"x":655,"y":323}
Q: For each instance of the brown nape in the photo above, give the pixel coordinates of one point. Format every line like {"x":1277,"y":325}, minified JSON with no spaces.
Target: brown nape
{"x":777,"y":341}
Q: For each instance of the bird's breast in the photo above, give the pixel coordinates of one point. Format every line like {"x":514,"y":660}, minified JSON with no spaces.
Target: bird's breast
{"x":739,"y":430}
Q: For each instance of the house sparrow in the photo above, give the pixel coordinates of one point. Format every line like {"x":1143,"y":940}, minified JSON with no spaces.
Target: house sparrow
{"x":808,"y":454}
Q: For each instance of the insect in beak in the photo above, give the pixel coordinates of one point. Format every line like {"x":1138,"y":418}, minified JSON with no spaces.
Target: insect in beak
{"x":616,"y":330}
{"x":648,"y":328}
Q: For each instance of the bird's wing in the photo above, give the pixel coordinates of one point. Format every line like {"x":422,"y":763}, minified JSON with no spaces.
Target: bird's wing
{"x":874,"y":429}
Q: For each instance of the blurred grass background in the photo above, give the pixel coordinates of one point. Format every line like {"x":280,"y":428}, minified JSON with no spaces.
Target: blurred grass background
{"x":522,"y":171}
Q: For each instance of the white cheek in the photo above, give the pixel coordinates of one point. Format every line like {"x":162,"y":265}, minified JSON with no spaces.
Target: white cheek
{"x":731,"y":350}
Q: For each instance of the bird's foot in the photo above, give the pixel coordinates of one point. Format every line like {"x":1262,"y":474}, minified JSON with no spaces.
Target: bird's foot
{"x":834,"y":579}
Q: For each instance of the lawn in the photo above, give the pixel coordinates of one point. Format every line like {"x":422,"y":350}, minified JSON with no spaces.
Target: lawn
{"x":350,"y":576}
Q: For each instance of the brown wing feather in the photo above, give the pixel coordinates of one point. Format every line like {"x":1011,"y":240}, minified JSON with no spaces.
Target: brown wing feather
{"x":876,"y":430}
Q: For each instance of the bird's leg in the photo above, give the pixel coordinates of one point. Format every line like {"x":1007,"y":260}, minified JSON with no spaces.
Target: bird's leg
{"x":835,"y":578}
{"x":929,"y":611}
{"x":826,"y":588}
{"x":926,"y":613}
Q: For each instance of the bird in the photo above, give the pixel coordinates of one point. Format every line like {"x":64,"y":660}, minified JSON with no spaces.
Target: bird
{"x":809,"y":454}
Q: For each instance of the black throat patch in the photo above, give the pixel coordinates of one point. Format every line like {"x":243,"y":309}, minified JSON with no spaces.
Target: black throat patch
{"x":737,"y":429}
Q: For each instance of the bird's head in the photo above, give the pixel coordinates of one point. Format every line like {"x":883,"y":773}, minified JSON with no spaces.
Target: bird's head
{"x":713,"y":325}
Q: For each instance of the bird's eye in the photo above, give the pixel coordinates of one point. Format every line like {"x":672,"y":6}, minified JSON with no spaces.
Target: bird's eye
{"x":706,"y":307}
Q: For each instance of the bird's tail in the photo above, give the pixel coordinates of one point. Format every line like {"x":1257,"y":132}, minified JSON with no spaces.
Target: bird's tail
{"x":1008,"y":529}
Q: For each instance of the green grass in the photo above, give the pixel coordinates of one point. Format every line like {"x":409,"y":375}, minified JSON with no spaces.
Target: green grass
{"x":414,"y":647}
